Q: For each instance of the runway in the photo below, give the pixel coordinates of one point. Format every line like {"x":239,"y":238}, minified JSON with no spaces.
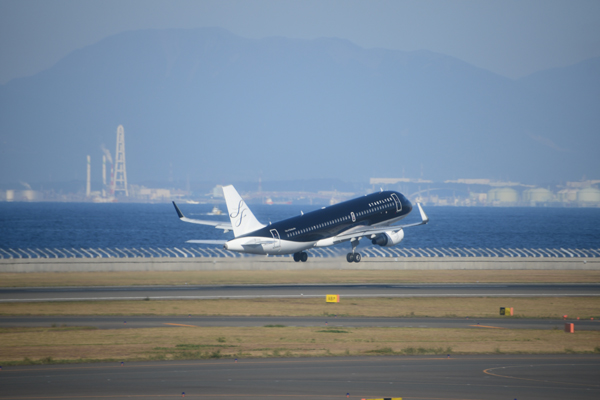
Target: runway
{"x":419,"y":377}
{"x":130,"y":322}
{"x":293,"y":291}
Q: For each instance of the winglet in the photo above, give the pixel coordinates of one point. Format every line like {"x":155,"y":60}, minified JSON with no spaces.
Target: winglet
{"x":423,"y":215}
{"x":179,"y":213}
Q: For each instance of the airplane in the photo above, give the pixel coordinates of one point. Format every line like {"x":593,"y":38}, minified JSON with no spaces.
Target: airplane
{"x":370,"y":216}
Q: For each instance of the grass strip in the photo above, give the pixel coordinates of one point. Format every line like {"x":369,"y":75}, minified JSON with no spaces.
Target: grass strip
{"x":40,"y":279}
{"x":480,"y":307}
{"x":52,"y":345}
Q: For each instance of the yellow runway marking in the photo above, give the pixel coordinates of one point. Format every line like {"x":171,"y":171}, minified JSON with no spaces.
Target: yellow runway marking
{"x":192,"y":326}
{"x":486,"y":326}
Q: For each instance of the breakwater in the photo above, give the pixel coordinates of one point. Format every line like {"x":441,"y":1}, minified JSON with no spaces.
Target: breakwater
{"x":326,"y":252}
{"x":184,"y":259}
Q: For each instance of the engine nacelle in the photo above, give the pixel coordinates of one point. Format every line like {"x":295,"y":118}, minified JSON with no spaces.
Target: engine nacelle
{"x":388,"y":239}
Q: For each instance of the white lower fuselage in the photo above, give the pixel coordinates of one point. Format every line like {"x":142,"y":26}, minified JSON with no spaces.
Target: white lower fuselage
{"x":250,"y":245}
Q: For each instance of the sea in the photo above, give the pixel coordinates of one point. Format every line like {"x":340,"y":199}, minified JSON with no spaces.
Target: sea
{"x":133,"y":225}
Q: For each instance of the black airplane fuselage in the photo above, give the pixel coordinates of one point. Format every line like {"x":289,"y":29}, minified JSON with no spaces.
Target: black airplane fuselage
{"x":370,"y":210}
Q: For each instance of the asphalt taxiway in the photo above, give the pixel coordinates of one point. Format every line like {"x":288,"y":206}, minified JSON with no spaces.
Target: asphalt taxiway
{"x":293,"y":291}
{"x":494,"y":377}
{"x":132,"y":322}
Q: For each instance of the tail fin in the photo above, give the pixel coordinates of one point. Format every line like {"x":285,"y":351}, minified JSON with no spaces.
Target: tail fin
{"x":242,"y":219}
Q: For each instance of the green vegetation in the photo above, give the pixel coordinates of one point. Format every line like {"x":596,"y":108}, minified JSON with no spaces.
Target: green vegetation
{"x":20,"y":346}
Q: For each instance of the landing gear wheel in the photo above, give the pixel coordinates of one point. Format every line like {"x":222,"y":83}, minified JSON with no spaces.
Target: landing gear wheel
{"x":353,"y":257}
{"x":303,"y":256}
{"x":297,"y":257}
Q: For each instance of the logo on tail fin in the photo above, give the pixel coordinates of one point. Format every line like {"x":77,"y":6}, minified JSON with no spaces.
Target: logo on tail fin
{"x":239,"y":213}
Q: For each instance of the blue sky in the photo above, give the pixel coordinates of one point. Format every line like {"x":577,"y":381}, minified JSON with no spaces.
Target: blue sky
{"x":511,"y":38}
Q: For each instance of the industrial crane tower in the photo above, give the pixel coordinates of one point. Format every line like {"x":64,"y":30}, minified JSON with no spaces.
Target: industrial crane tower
{"x":120,"y":181}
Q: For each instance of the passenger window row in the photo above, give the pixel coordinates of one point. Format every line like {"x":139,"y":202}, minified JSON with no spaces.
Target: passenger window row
{"x":376,"y":206}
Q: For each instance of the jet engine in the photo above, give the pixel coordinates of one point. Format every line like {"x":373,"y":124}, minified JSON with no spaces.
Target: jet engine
{"x":388,"y":239}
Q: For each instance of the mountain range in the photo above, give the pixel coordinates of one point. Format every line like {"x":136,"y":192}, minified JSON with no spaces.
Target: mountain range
{"x":205,"y":104}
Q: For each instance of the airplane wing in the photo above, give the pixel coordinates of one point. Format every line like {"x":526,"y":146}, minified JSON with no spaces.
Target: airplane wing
{"x":226,"y":226}
{"x":221,"y":242}
{"x":367,"y":230}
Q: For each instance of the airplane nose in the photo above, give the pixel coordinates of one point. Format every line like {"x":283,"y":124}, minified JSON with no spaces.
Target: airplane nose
{"x":406,"y":204}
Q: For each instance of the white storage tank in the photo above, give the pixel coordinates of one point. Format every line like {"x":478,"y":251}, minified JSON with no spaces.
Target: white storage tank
{"x":29,"y":195}
{"x":567,"y":195}
{"x":503,"y":196}
{"x":537,"y":195}
{"x":588,"y":195}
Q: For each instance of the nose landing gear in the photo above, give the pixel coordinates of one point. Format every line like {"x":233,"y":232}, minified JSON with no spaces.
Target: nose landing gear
{"x":301,"y":256}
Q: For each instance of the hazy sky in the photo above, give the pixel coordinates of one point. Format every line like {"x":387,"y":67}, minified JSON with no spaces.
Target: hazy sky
{"x":512,"y":38}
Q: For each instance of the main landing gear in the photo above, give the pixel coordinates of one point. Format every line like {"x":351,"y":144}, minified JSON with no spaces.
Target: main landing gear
{"x":354,"y":256}
{"x":301,"y":256}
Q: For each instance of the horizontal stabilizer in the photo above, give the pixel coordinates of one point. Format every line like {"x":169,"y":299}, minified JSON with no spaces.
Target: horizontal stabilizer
{"x":226,"y":226}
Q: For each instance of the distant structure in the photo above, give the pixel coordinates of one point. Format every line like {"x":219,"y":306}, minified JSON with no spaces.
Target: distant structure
{"x":105,"y":187}
{"x":103,"y":176}
{"x":120,"y":179}
{"x":88,"y":187}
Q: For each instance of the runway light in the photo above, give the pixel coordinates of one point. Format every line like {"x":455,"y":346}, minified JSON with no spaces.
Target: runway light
{"x":182,"y":394}
{"x":124,"y":322}
{"x":236,"y":360}
{"x":189,"y":315}
{"x":448,"y":355}
{"x":122,"y":363}
{"x":347,"y":395}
